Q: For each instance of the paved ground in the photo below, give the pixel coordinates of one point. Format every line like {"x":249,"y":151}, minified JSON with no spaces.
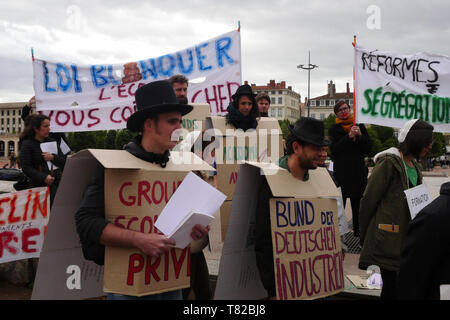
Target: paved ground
{"x":433,"y":179}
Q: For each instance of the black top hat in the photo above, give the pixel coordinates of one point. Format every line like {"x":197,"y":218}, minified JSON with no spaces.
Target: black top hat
{"x":309,"y":130}
{"x":154,"y":98}
{"x":244,"y":90}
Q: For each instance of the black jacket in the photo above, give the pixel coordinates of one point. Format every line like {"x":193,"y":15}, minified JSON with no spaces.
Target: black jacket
{"x":34,"y":165}
{"x":350,"y":170}
{"x":90,"y":218}
{"x":425,"y":261}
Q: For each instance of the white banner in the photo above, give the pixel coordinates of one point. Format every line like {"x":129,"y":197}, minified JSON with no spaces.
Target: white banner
{"x":101,"y":97}
{"x":23,"y":222}
{"x":391,"y":88}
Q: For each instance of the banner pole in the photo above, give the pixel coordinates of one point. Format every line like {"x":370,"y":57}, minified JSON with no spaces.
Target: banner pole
{"x":354,"y":83}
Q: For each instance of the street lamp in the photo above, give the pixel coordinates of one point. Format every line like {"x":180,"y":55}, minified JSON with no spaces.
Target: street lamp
{"x":309,"y":68}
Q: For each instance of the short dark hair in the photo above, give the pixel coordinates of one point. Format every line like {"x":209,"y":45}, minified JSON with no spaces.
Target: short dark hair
{"x":154,"y":117}
{"x":419,"y":136}
{"x":178,"y":78}
{"x":261,"y":96}
{"x":291,"y":138}
{"x":339,"y":104}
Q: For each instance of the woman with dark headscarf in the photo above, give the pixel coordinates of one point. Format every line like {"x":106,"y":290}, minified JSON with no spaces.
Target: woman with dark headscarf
{"x":243,"y":110}
{"x":384,"y":215}
{"x":349,"y":144}
{"x":33,"y":161}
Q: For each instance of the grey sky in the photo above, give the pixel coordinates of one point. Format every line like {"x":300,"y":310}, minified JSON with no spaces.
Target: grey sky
{"x":275,"y":35}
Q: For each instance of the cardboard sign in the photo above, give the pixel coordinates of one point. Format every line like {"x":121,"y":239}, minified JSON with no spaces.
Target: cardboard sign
{"x":63,"y":273}
{"x":392,"y":88}
{"x":101,"y":96}
{"x":234,"y":147}
{"x":224,"y":218}
{"x":238,"y":274}
{"x":196,"y":119}
{"x":306,"y":248}
{"x":418,"y":198}
{"x":23,"y":222}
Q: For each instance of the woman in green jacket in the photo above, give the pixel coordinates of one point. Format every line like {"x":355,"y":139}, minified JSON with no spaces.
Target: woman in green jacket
{"x":384,"y":215}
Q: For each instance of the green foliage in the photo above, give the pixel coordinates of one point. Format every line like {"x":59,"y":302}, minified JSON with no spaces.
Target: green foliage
{"x":382,"y":138}
{"x":122,"y":138}
{"x":328,"y":122}
{"x":110,"y":139}
{"x":284,"y":127}
{"x":438,"y":145}
{"x":82,"y":140}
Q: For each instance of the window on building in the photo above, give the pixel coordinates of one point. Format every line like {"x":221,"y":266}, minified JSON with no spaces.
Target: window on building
{"x":332,"y":102}
{"x":351,"y":103}
{"x":322,"y":103}
{"x":322,"y":116}
{"x":280,"y":100}
{"x":327,"y":102}
{"x":272,"y":92}
{"x":7,"y":112}
{"x":312,"y":103}
{"x":272,"y":112}
{"x":272,"y":100}
{"x":280,"y":112}
{"x":280,"y":92}
{"x":313,"y":115}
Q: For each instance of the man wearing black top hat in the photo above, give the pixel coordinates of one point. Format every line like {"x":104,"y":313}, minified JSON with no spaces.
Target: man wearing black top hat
{"x":158,"y":115}
{"x":303,"y":147}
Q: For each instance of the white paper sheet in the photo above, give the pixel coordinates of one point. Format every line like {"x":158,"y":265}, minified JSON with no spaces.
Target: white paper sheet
{"x":64,"y":147}
{"x":51,"y":147}
{"x":193,"y":194}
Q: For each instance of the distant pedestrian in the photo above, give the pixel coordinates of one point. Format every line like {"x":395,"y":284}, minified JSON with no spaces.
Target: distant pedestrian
{"x":384,"y":215}
{"x":263,"y":101}
{"x":12,"y":159}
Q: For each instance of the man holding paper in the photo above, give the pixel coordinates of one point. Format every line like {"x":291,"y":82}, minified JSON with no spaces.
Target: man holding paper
{"x":158,"y":115}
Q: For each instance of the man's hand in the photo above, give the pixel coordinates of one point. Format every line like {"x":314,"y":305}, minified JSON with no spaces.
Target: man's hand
{"x":153,"y":244}
{"x":199,"y":232}
{"x":31,"y":101}
{"x":49,"y":180}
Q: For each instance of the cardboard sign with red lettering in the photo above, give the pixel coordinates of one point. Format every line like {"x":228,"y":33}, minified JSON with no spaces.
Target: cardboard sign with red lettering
{"x":133,"y":200}
{"x":307,"y":252}
{"x":23,"y":222}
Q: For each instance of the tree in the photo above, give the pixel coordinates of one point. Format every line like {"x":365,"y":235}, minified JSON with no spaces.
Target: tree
{"x":82,"y":140}
{"x":123,"y":137}
{"x":110,"y":139}
{"x":284,"y":127}
{"x":328,"y":122}
{"x":438,"y":148}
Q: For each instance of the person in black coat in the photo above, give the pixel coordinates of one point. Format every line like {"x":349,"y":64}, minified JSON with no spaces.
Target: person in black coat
{"x":425,"y":261}
{"x":349,"y":144}
{"x":33,"y":161}
{"x":243,"y":110}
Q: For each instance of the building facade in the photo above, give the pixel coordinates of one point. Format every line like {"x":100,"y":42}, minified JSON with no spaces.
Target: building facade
{"x":321,"y":107}
{"x":11,"y":125}
{"x":284,"y":102}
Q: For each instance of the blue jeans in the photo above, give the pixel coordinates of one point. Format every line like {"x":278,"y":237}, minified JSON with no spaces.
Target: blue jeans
{"x":170,"y":295}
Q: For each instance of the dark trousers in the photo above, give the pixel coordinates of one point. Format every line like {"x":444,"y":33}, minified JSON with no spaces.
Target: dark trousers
{"x":355,"y":213}
{"x":199,"y":278}
{"x":390,"y":285}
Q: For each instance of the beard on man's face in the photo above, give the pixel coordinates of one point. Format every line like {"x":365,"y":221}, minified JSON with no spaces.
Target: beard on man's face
{"x":307,"y":163}
{"x":182,"y":100}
